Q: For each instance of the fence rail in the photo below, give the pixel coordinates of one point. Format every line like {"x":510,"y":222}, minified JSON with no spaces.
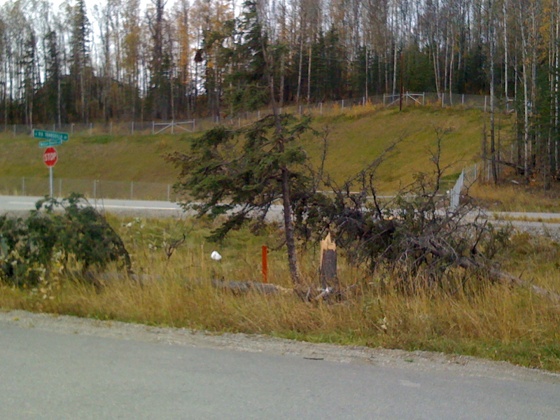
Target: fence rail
{"x":240,"y":119}
{"x":91,"y":189}
{"x":466,"y":179}
{"x":130,"y":190}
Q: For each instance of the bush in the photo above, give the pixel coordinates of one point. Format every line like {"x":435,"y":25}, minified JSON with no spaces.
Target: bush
{"x":63,"y":232}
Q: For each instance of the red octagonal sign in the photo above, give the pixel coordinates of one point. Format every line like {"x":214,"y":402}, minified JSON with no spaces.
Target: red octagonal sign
{"x":50,"y":157}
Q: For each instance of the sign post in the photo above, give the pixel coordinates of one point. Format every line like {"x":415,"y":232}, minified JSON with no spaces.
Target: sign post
{"x":50,"y":157}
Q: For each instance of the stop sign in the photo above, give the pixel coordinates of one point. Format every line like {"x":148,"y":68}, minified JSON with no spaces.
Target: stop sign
{"x":50,"y":157}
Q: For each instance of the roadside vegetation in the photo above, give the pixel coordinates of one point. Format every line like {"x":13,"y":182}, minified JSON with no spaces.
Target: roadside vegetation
{"x":408,"y":277}
{"x":487,"y":320}
{"x":517,"y":197}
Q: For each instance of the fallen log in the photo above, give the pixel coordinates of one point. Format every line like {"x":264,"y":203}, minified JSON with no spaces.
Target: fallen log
{"x":242,"y":287}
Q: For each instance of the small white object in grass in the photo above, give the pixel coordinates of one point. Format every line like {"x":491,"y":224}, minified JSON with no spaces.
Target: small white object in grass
{"x":215,"y":255}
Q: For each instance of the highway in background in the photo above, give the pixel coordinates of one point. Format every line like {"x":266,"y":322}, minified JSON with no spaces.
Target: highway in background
{"x":536,"y":223}
{"x":19,"y":204}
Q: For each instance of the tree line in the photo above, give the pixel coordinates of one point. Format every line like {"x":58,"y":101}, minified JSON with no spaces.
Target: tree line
{"x":165,"y":59}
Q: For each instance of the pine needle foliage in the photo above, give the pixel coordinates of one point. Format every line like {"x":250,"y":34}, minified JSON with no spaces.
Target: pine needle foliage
{"x":68,"y":233}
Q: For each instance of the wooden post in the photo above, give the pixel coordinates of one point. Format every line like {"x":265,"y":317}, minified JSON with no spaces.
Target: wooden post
{"x":328,"y":269}
{"x":265,"y":264}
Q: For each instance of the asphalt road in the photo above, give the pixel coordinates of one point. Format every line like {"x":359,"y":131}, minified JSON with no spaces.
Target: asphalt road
{"x":135,"y":208}
{"x":18,"y":204}
{"x":94,"y":370}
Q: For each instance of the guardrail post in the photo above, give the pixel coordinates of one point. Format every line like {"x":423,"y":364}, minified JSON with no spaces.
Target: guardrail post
{"x":131,"y":190}
{"x":23,"y":186}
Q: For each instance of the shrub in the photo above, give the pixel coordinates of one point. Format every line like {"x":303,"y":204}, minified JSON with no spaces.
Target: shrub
{"x":68,"y":231}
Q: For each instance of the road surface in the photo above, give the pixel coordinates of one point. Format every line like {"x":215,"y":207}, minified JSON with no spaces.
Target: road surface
{"x":63,"y":367}
{"x":21,"y":204}
{"x":136,"y":208}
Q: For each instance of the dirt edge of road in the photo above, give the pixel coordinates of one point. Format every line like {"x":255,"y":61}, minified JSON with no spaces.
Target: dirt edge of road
{"x":417,"y":360}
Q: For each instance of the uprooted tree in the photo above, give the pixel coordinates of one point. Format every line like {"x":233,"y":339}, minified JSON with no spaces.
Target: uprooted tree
{"x":241,"y":173}
{"x":414,"y":236}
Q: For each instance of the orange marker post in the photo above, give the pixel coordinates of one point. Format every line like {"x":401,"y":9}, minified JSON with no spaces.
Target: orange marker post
{"x":265,"y":263}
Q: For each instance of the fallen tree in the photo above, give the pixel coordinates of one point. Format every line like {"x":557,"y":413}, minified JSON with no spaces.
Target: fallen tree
{"x":416,"y":237}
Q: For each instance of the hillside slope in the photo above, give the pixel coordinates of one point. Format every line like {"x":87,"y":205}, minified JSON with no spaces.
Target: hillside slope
{"x":355,"y":138}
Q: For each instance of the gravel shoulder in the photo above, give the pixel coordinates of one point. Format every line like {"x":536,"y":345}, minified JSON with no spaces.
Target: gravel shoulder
{"x":418,"y":360}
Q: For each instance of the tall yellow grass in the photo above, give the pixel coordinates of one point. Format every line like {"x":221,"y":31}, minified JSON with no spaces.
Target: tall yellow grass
{"x":516,"y":197}
{"x":492,"y":321}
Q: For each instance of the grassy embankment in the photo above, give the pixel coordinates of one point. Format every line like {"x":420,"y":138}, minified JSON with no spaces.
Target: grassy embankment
{"x":490,"y":321}
{"x":356,"y":138}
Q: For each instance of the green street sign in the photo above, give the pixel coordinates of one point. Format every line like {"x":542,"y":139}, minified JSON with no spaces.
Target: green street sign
{"x":50,"y":135}
{"x":50,"y":143}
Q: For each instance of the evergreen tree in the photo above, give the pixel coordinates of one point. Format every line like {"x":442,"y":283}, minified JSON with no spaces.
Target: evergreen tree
{"x":80,"y":70}
{"x":53,"y":82}
{"x":159,"y":62}
{"x":29,"y":63}
{"x":241,"y":174}
{"x":248,"y":85}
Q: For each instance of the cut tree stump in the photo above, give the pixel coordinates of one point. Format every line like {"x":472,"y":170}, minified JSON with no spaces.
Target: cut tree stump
{"x":328,"y":264}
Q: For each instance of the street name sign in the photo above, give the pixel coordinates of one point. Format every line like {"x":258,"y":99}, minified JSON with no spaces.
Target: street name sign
{"x":50,"y":135}
{"x":49,"y":143}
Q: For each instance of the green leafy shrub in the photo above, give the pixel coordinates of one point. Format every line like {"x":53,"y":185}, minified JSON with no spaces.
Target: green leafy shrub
{"x":63,"y":232}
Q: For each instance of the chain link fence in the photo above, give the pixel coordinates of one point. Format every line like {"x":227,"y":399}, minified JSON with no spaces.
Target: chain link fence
{"x":468,"y":177}
{"x":91,"y":189}
{"x":241,"y":119}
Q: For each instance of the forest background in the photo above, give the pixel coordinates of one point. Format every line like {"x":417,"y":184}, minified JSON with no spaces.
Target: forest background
{"x":170,"y":59}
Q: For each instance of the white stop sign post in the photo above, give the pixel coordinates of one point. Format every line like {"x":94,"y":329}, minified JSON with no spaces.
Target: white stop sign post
{"x":50,"y":157}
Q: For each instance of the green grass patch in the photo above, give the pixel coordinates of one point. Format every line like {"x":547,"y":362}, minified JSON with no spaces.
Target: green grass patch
{"x":356,"y":138}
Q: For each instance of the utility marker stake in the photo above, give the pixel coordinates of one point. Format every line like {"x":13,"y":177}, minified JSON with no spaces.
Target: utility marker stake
{"x":265,"y":263}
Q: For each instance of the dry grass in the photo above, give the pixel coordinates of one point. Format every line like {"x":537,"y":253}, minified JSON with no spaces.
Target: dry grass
{"x":491,"y":321}
{"x":517,"y":198}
